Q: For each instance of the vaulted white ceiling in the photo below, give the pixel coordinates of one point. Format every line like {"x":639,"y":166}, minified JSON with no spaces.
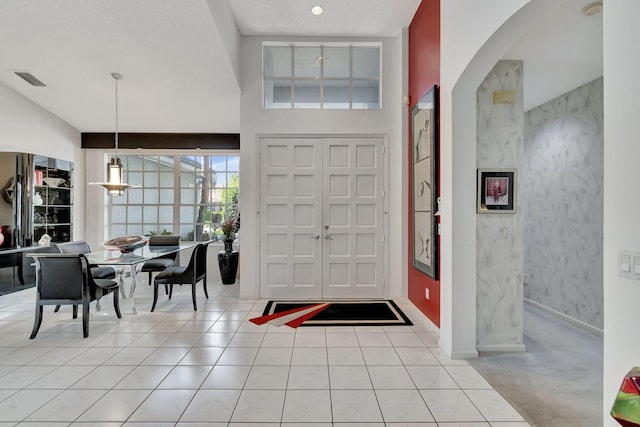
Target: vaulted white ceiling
{"x":179,"y":58}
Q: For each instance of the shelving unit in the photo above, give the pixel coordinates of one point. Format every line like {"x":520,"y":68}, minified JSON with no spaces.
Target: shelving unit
{"x":52,"y":205}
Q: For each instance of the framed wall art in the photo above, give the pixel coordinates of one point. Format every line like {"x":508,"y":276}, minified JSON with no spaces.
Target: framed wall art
{"x":424,"y":164}
{"x":497,"y":190}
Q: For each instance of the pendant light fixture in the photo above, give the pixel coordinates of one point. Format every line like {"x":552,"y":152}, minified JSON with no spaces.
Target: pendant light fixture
{"x":115,"y":184}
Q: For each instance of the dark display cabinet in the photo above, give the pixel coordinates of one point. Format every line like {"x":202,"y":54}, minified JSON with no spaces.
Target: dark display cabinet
{"x":52,"y":199}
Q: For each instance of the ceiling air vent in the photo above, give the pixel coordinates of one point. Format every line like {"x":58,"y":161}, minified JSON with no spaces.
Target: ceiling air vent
{"x":29,"y":78}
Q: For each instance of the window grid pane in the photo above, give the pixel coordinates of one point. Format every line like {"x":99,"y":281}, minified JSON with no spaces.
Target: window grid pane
{"x":315,"y":73}
{"x":207,"y":194}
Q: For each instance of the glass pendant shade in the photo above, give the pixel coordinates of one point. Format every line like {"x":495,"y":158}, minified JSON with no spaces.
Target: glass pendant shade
{"x":115,"y":182}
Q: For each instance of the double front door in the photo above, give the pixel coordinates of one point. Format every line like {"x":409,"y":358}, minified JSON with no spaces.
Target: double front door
{"x":322,"y":217}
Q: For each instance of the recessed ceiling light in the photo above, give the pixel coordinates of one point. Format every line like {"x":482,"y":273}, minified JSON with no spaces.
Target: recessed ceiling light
{"x":592,"y":8}
{"x":317,"y":10}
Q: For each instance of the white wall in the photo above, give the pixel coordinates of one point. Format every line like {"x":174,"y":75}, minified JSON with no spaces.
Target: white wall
{"x":473,"y":38}
{"x":256,"y":121}
{"x":27,"y":128}
{"x":563,"y":203}
{"x":621,"y":199}
{"x":499,"y":239}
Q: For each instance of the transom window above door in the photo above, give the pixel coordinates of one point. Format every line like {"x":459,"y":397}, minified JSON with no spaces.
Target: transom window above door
{"x":321,"y":76}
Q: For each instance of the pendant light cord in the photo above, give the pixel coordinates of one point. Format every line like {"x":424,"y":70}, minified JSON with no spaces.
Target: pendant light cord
{"x":116,"y":77}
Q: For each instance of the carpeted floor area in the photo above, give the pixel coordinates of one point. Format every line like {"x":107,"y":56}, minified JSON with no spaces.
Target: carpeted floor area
{"x":557,"y":382}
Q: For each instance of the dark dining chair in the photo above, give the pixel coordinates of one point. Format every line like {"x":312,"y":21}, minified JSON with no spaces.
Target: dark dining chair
{"x":82,"y":247}
{"x":163,"y":262}
{"x":67,"y":279}
{"x":190,"y":274}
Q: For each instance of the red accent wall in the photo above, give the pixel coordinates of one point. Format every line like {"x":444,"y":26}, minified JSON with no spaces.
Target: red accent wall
{"x":424,"y":72}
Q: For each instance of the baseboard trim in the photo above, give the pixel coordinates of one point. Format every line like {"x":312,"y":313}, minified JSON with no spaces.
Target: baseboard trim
{"x":501,"y":348}
{"x":464,"y":354}
{"x":424,"y":317}
{"x":575,"y":322}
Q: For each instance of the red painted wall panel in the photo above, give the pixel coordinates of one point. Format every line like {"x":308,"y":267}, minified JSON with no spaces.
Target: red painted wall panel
{"x":424,"y":72}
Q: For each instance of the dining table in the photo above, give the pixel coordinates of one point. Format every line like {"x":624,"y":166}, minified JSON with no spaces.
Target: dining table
{"x":127,"y":265}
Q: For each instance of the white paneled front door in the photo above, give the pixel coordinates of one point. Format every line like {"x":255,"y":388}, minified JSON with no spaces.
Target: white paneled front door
{"x":321,"y":218}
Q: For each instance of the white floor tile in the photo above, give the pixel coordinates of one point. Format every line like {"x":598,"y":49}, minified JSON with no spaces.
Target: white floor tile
{"x":309,"y":356}
{"x":211,"y":405}
{"x":94,"y":356}
{"x":129,"y":356}
{"x":21,"y":404}
{"x":345,"y":339}
{"x":381,"y":356}
{"x":390,"y":378}
{"x":350,"y":378}
{"x":202,"y":356}
{"x":403,"y":406}
{"x":238,"y":356}
{"x":67,"y":406}
{"x":305,"y":406}
{"x":23,"y":355}
{"x":355,"y":406}
{"x":373,"y":339}
{"x":450,"y":405}
{"x":151,"y":340}
{"x":213,"y":368}
{"x":115,"y":405}
{"x":23,"y":376}
{"x":144,"y":377}
{"x":274,"y":356}
{"x":310,"y":340}
{"x":215,"y":339}
{"x":405,"y":339}
{"x":227,"y":377}
{"x":246,"y":340}
{"x":62,"y":377}
{"x":345,"y":356}
{"x":57,"y":356}
{"x":308,"y":378}
{"x":185,"y":378}
{"x":431,"y":377}
{"x":166,"y":356}
{"x":416,"y":356}
{"x":493,"y":406}
{"x":467,"y":377}
{"x":181,"y":339}
{"x":278,"y":340}
{"x":267,"y":378}
{"x":259,"y":406}
{"x":225,"y":327}
{"x":163,"y":406}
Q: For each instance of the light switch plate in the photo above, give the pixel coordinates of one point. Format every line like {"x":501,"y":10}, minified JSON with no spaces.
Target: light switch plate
{"x":629,"y":264}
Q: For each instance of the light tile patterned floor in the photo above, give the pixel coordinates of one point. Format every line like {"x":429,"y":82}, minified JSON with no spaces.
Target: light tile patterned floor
{"x":177,"y":367}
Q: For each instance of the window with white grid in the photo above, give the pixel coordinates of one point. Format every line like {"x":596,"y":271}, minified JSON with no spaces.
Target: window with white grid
{"x":322,"y":77}
{"x":186,"y":194}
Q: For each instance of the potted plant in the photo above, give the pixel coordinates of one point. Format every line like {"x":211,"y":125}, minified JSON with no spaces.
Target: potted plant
{"x":228,"y":228}
{"x":228,"y":258}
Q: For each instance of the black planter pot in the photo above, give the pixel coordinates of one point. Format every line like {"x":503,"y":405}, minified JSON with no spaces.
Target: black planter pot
{"x":228,"y":263}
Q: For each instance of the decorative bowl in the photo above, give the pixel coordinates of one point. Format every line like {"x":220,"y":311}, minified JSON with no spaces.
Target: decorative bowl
{"x":53,"y":182}
{"x":125,"y":244}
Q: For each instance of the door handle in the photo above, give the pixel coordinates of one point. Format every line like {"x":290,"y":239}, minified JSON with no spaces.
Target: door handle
{"x":316,"y":236}
{"x":328,"y":237}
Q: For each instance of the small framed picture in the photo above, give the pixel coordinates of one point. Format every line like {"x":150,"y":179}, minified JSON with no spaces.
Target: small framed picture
{"x":497,"y":190}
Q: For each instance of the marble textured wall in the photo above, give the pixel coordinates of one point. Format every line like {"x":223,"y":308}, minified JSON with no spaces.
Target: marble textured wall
{"x":499,"y":239}
{"x":563,"y":203}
